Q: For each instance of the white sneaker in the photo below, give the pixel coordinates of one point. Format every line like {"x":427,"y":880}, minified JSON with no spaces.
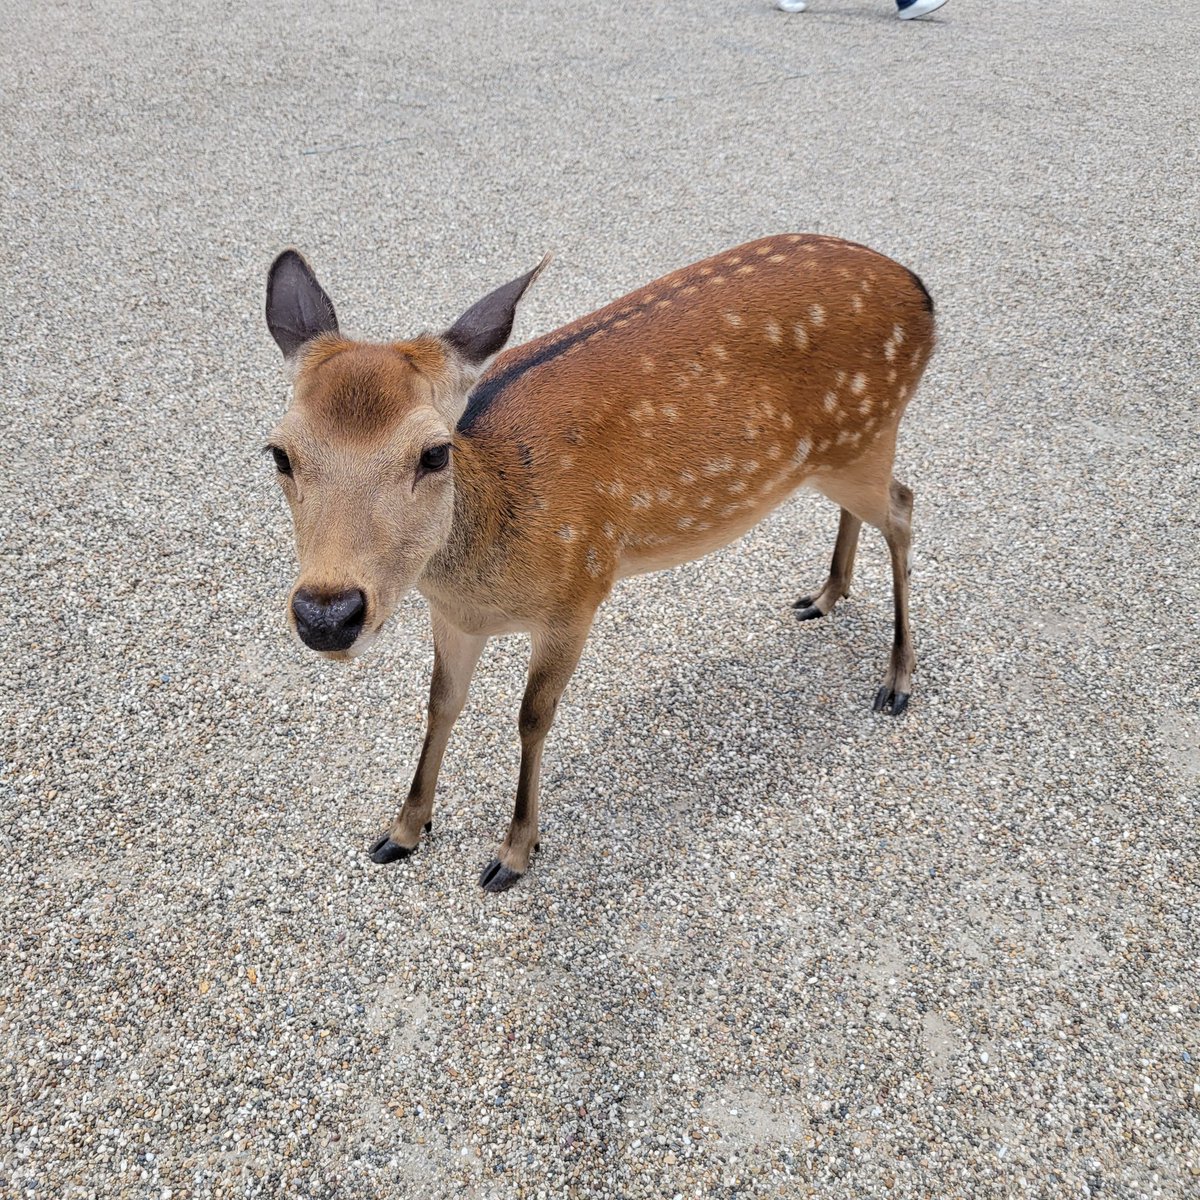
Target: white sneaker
{"x":919,"y":8}
{"x":791,"y":5}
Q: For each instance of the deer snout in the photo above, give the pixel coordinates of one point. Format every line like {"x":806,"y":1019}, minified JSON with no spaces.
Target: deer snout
{"x":327,"y":622}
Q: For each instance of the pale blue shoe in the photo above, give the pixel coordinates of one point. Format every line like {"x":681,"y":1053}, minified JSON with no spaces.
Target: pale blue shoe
{"x":910,"y":9}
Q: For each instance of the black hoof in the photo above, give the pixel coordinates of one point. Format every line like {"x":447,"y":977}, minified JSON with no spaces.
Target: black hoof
{"x":497,"y":877}
{"x":811,"y":613}
{"x":889,"y":701}
{"x":384,"y":850}
{"x":804,"y":601}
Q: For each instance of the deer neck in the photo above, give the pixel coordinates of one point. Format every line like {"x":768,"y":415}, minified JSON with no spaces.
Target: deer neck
{"x":491,"y":494}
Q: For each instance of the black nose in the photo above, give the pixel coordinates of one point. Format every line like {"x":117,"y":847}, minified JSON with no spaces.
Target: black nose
{"x":329,"y":622}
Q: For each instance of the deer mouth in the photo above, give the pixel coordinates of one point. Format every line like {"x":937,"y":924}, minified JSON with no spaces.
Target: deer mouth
{"x":357,"y":648}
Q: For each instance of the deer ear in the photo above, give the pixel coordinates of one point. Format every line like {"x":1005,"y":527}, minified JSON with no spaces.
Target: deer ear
{"x":484,"y":328}
{"x":297,"y":308}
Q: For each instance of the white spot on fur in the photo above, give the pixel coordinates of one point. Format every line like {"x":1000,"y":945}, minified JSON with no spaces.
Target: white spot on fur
{"x":746,"y":270}
{"x":717,"y":279}
{"x":737,"y":488}
{"x":775,"y":452}
{"x":719,"y":351}
{"x":706,"y":502}
{"x":748,"y":468}
{"x":857,"y":304}
{"x":787,"y":421}
{"x":891,"y":375}
{"x":858,"y":384}
{"x":690,"y":290}
{"x":733,"y":259}
{"x":801,"y":452}
{"x":719,"y":466}
{"x":648,"y":364}
{"x":686,"y":477}
{"x":670,"y":412}
{"x":566,"y":532}
{"x":829,"y":400}
{"x":774,"y":332}
{"x":665,"y":494}
{"x":639,"y":500}
{"x":800,"y":334}
{"x":685,"y":522}
{"x":817,"y":315}
{"x":610,"y":530}
{"x":734,"y":319}
{"x":777,"y":258}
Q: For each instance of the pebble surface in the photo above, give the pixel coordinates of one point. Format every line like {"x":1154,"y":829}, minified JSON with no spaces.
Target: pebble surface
{"x":773,"y":945}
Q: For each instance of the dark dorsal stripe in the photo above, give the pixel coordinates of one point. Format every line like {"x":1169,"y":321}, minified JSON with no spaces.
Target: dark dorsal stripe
{"x":490,"y":387}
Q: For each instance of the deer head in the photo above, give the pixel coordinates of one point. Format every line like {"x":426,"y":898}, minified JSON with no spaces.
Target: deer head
{"x":365,"y":453}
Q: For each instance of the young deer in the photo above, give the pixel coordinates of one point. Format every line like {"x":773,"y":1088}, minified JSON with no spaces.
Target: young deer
{"x":644,"y":435}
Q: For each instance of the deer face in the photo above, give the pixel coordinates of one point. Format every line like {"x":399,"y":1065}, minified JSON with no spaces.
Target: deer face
{"x":365,"y":454}
{"x":365,"y":459}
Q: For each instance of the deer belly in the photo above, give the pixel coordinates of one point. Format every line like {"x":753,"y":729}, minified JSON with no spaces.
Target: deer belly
{"x":699,"y":522}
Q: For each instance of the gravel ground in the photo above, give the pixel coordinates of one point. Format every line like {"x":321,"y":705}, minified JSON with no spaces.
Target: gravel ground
{"x":773,"y":945}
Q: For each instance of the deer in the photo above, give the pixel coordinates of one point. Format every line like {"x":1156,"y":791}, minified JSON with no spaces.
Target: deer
{"x":514,"y":487}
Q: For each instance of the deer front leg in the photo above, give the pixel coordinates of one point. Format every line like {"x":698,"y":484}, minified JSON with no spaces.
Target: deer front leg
{"x":555,"y":655}
{"x":454,"y":657}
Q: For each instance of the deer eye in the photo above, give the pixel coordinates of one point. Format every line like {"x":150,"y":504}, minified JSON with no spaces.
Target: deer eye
{"x":283,"y":464}
{"x":436,"y":457}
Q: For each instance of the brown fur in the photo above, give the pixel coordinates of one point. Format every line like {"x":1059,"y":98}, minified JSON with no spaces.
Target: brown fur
{"x":643,"y":435}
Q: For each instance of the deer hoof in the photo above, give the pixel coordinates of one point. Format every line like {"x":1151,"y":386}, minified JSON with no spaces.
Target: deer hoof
{"x":497,"y":877}
{"x":888,"y":700}
{"x":384,"y":850}
{"x":810,"y":613}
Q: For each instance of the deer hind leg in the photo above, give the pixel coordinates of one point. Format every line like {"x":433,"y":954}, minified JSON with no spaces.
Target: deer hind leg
{"x":455,"y":655}
{"x":869,"y":493}
{"x":555,"y":655}
{"x":841,"y":569}
{"x":897,"y":684}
